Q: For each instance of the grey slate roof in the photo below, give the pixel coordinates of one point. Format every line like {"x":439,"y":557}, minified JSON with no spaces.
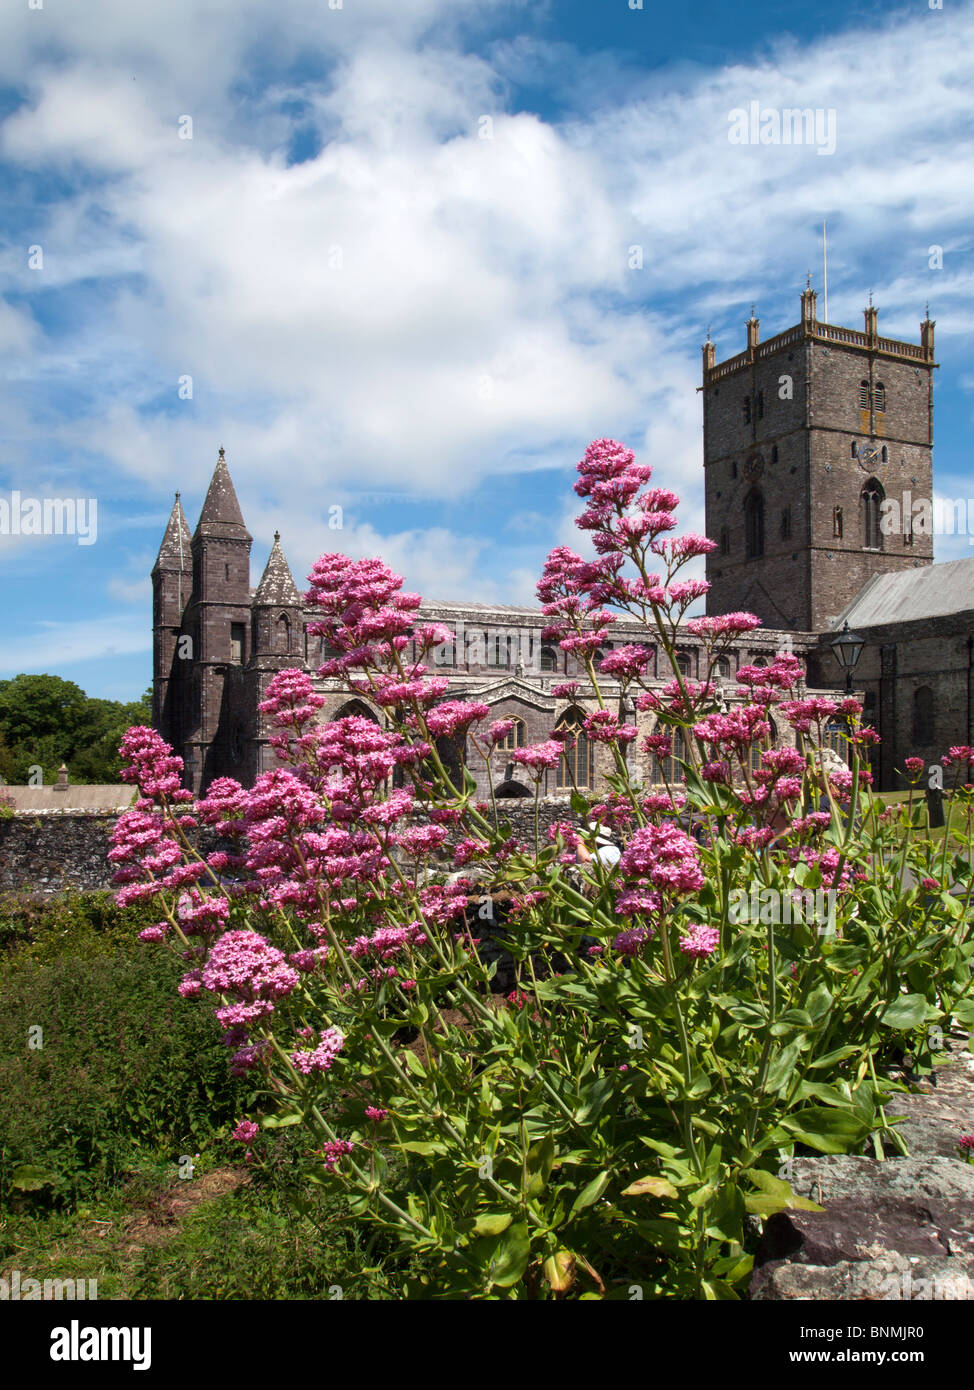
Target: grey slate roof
{"x":277,"y":588}
{"x":175,"y":553}
{"x":931,"y":591}
{"x":221,"y":515}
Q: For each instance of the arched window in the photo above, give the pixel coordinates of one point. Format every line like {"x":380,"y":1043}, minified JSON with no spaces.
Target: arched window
{"x":774,"y":453}
{"x":356,"y":708}
{"x":837,"y":523}
{"x":724,"y":541}
{"x":746,"y":409}
{"x":669,"y":769}
{"x":576,"y":762}
{"x":722,"y":667}
{"x":885,"y":454}
{"x":683,"y":662}
{"x":549,"y":660}
{"x":879,"y":396}
{"x":786,"y":523}
{"x":516,"y":737}
{"x":754,"y":526}
{"x":923,"y":720}
{"x":282,"y":635}
{"x":854,"y":449}
{"x":756,"y":749}
{"x":872,"y":502}
{"x":864,"y":395}
{"x":733,"y":470}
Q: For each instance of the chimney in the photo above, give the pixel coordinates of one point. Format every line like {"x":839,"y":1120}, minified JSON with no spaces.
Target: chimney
{"x":62,"y":779}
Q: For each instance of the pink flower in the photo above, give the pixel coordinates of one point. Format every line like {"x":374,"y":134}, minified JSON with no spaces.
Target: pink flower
{"x":664,"y":855}
{"x":375,"y":1114}
{"x":323,"y":1056}
{"x":630,"y":943}
{"x":245,"y":1131}
{"x":334,"y":1150}
{"x":539,"y":756}
{"x":700,"y":941}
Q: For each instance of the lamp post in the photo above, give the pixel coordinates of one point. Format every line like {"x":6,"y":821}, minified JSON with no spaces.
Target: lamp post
{"x":847,"y":649}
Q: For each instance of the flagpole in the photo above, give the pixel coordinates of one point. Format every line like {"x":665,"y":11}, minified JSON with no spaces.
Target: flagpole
{"x":825,"y":268}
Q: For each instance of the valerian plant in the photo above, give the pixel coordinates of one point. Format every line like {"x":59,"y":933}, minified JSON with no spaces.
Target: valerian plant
{"x":606,"y":1129}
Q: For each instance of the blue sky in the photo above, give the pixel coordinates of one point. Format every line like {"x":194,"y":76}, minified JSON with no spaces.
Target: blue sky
{"x":394,"y":260}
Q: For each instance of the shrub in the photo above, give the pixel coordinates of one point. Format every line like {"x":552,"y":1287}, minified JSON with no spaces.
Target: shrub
{"x":675,"y":1033}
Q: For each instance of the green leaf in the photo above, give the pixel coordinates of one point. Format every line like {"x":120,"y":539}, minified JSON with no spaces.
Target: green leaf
{"x":510,"y":1254}
{"x":827,"y":1130}
{"x":280,"y":1121}
{"x":492,"y":1223}
{"x":651,"y":1187}
{"x":424,"y":1148}
{"x":579,"y":804}
{"x":29,"y":1177}
{"x":908,"y":1012}
{"x":591,"y":1192}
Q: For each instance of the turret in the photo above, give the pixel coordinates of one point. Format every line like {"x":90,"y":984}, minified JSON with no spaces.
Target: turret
{"x":172,"y":582}
{"x":277,"y":611}
{"x":218,"y":622}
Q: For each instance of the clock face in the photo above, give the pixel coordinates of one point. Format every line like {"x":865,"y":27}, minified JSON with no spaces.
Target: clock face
{"x":753,"y":469}
{"x":868,"y":457}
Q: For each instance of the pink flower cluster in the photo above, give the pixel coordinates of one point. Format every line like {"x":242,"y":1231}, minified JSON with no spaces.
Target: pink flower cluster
{"x":665,"y":857}
{"x":322,"y":1058}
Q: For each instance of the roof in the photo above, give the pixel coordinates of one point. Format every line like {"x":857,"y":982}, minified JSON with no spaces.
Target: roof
{"x":175,"y":553}
{"x":221,"y":515}
{"x":114,"y":796}
{"x":277,"y":587}
{"x":930,"y":591}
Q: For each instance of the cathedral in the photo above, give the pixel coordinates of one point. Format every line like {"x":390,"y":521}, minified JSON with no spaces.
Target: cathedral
{"x":808,"y":438}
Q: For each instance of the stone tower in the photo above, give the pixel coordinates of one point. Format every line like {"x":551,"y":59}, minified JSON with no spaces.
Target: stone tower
{"x":277,"y":642}
{"x":808,"y":439}
{"x":172,"y":584}
{"x":217,"y":620}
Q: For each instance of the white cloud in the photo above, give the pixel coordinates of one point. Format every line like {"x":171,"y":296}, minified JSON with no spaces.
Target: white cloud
{"x":57,"y":645}
{"x":481,"y":318}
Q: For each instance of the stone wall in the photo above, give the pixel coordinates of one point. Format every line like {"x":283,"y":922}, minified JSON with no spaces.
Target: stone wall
{"x":55,"y":852}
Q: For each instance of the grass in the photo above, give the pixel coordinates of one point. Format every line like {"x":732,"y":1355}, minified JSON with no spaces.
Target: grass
{"x":116,"y":1161}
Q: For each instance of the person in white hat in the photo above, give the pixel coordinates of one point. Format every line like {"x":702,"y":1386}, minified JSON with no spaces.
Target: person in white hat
{"x":606,"y":851}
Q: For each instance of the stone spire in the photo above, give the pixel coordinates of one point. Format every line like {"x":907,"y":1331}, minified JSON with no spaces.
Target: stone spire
{"x":277,"y":588}
{"x":221,"y":515}
{"x":174,"y":553}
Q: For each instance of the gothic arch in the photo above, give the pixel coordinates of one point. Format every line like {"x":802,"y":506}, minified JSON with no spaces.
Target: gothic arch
{"x":870,"y":505}
{"x":357,"y":708}
{"x":576,"y":764}
{"x":754,"y":525}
